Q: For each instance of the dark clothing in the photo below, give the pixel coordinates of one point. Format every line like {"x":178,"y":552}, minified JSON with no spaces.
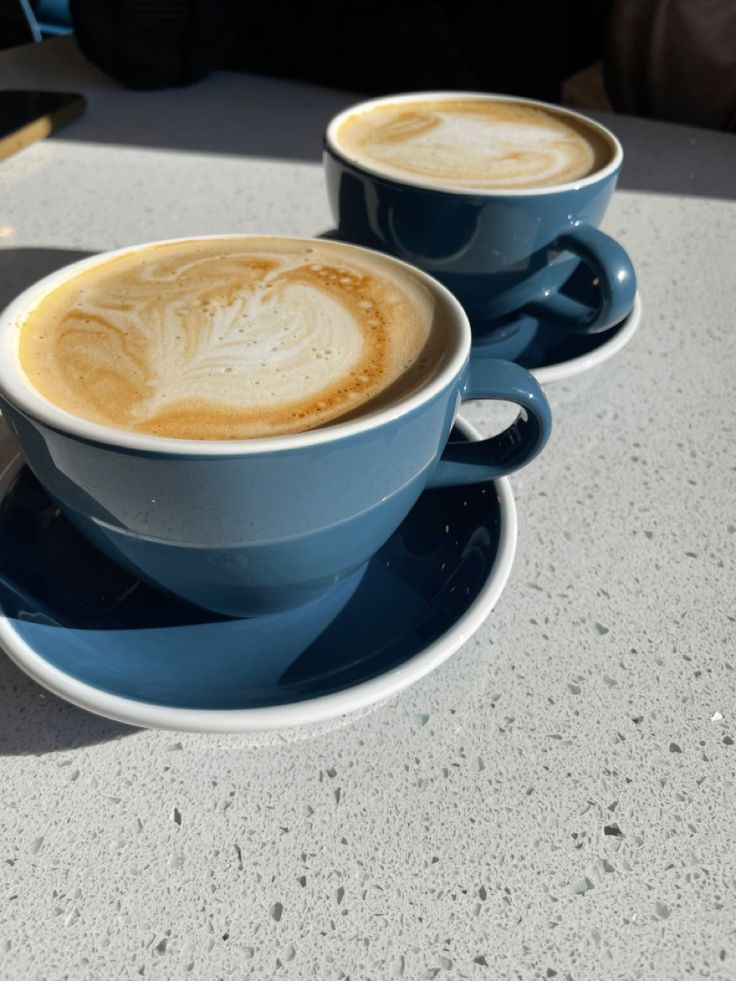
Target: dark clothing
{"x":523,"y":47}
{"x":149,"y":44}
{"x":674,"y":60}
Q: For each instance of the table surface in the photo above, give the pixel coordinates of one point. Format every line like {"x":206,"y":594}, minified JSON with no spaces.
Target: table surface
{"x":457,"y":830}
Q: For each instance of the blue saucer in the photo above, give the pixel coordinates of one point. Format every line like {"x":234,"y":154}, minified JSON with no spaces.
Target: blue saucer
{"x":89,"y":631}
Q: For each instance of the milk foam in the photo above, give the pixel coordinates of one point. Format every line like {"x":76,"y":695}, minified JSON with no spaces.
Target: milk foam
{"x":230,"y":338}
{"x":473,"y":143}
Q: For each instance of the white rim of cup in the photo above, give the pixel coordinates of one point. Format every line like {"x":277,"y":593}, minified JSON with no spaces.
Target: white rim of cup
{"x":21,"y":394}
{"x":442,"y":96}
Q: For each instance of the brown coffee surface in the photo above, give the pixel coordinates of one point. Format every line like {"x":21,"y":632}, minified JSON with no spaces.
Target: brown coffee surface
{"x":473,"y":143}
{"x":232,"y":338}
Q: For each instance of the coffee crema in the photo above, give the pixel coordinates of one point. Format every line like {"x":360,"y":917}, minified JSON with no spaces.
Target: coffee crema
{"x":231,"y":338}
{"x":473,"y":143}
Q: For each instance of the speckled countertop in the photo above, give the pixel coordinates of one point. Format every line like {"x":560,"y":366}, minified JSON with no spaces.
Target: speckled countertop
{"x":557,"y":800}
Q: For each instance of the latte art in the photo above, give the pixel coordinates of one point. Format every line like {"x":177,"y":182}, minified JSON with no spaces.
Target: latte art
{"x":473,"y":143}
{"x":228,"y":338}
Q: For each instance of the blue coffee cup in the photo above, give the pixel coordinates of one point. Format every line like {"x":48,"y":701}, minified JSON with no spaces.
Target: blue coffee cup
{"x":246,"y":527}
{"x":505,"y":254}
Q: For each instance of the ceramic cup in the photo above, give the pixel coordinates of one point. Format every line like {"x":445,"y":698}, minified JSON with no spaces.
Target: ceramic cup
{"x":505,"y":254}
{"x":245,"y":527}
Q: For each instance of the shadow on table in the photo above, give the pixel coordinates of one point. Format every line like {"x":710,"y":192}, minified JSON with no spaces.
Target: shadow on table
{"x":20,"y":267}
{"x":258,"y":116}
{"x":665,"y":158}
{"x":34,"y":722}
{"x":228,"y":112}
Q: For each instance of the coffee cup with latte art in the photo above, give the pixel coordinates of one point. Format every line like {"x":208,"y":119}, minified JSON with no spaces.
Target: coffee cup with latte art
{"x":245,"y":420}
{"x":498,"y":198}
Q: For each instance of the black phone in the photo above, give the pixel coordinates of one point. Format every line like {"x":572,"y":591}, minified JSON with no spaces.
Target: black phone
{"x":27,"y":116}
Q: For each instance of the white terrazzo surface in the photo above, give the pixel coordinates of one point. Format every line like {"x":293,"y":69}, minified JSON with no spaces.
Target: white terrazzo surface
{"x":557,"y":801}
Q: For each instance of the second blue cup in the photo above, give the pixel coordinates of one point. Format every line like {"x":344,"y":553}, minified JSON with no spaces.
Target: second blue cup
{"x":505,"y":253}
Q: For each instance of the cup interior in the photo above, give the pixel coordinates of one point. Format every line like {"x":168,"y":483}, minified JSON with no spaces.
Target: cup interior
{"x":611,"y":164}
{"x":16,"y":388}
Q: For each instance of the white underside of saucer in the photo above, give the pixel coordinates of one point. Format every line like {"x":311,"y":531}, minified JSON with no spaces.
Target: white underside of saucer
{"x":593,"y":359}
{"x":319,"y":709}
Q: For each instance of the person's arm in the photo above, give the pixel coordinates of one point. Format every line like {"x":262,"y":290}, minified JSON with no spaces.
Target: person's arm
{"x":149,"y":44}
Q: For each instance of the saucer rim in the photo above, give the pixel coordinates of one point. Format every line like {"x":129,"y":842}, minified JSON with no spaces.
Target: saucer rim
{"x":320,"y":709}
{"x":562,"y":370}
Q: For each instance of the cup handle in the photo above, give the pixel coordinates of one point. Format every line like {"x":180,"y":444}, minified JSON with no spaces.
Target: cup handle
{"x":612,"y":266}
{"x":486,"y":459}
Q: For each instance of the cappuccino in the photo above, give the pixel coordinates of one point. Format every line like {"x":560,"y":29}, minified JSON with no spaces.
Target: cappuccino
{"x":473,"y":143}
{"x":231,"y":338}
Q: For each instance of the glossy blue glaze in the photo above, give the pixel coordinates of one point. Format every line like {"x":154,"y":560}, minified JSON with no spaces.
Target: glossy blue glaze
{"x":259,"y":532}
{"x":94,"y":621}
{"x":532,"y":343}
{"x":500,"y":254}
